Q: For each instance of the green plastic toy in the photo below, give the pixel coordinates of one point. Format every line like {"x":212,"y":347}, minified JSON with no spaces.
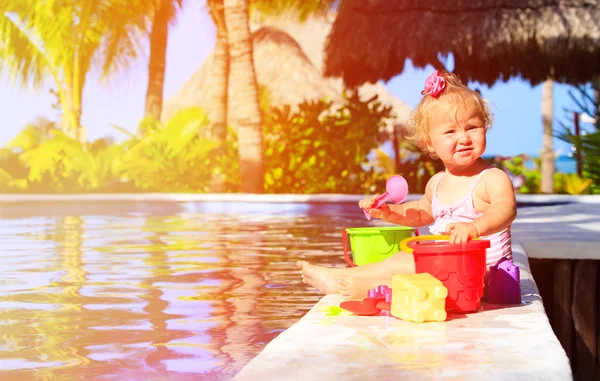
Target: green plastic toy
{"x":373,"y":244}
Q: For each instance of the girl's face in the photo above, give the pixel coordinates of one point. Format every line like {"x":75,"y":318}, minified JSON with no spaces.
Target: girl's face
{"x":457,"y":134}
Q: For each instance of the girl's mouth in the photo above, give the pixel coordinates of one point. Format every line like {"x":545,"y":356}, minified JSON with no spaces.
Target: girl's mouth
{"x":464,"y":152}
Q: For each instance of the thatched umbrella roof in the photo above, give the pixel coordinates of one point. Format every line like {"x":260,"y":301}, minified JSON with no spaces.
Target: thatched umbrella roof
{"x":280,"y":65}
{"x":289,"y":67}
{"x":490,"y":39}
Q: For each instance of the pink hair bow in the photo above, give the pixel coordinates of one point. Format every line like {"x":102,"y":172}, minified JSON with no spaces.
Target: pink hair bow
{"x":434,"y":84}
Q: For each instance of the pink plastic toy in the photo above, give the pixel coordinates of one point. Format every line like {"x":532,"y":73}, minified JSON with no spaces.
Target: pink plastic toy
{"x":396,"y":191}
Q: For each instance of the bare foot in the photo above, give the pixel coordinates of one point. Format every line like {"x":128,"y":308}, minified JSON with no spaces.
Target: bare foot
{"x":319,"y":277}
{"x":356,"y":288}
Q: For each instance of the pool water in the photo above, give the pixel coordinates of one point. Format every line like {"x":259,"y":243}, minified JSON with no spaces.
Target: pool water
{"x":155,"y":291}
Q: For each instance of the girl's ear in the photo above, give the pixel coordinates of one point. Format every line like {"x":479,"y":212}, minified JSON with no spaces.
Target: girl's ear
{"x":428,"y":146}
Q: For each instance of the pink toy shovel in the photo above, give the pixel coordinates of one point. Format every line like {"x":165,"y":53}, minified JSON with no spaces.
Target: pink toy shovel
{"x":396,"y":191}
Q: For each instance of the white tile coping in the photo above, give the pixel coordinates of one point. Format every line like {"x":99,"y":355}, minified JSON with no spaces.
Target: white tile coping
{"x":569,"y":231}
{"x":563,"y":250}
{"x":510,"y":343}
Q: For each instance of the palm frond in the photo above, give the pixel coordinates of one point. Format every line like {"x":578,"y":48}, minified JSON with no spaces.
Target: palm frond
{"x":122,"y":45}
{"x":20,"y":53}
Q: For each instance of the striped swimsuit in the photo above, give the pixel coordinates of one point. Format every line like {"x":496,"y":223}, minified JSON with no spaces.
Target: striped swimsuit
{"x":464,"y":211}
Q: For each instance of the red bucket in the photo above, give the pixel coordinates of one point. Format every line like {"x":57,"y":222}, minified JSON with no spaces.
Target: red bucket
{"x":460,"y":267}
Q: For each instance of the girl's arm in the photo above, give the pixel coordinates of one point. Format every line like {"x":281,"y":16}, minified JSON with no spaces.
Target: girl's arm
{"x":503,"y":205}
{"x":414,"y":213}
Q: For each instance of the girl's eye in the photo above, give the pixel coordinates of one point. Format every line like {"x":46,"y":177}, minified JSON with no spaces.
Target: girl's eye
{"x":449,"y":132}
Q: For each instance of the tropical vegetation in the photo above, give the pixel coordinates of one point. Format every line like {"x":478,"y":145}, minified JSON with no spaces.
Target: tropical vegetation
{"x":316,"y":147}
{"x":63,"y":41}
{"x":585,"y":140}
{"x":313,"y":147}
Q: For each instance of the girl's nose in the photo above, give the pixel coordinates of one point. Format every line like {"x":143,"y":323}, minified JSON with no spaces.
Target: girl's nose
{"x":464,"y":137}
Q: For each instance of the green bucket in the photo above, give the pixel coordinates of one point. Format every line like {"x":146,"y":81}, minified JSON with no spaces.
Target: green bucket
{"x":373,"y":244}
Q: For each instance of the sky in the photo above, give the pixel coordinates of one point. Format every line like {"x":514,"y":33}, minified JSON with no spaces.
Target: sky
{"x":517,"y":106}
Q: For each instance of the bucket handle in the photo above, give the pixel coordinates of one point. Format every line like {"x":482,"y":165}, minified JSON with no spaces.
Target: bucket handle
{"x":346,"y":256}
{"x":404,"y":243}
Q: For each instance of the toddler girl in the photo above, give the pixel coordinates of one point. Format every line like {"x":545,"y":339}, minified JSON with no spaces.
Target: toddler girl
{"x":469,"y":199}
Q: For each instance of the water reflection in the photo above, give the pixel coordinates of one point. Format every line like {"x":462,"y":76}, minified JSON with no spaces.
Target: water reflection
{"x":154,"y":291}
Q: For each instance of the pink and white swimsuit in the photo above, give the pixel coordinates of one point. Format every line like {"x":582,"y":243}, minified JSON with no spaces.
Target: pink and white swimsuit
{"x":464,"y":211}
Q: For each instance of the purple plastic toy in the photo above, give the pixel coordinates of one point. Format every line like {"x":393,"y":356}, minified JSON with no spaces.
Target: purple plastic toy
{"x":504,"y":286}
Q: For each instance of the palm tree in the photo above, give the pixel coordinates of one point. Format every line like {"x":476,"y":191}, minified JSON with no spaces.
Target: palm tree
{"x":217,"y":110}
{"x":244,"y":95}
{"x":163,"y":12}
{"x":547,"y":155}
{"x":232,"y":61}
{"x":65,"y":40}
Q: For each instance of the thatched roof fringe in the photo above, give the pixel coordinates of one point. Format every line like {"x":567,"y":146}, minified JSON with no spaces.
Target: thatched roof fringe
{"x":489,"y":40}
{"x":286,"y":71}
{"x":403,"y":7}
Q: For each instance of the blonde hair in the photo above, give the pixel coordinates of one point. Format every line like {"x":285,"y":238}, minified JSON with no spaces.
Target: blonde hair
{"x":419,"y":117}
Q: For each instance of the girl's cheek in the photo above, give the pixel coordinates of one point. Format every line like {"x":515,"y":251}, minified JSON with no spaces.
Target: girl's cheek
{"x":449,"y":142}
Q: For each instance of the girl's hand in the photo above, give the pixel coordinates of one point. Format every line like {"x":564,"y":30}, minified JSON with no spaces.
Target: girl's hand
{"x":461,"y":232}
{"x":382,"y":212}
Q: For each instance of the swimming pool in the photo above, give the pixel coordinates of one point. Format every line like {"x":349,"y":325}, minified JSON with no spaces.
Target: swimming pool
{"x":155,"y":290}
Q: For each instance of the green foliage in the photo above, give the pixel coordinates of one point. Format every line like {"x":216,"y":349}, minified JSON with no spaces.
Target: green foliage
{"x":175,"y":158}
{"x":170,"y":158}
{"x":30,"y":137}
{"x":585,"y":98}
{"x":11,"y":172}
{"x":58,"y":39}
{"x":417,"y":172}
{"x":64,"y":41}
{"x":321,"y":148}
{"x":20,"y":56}
{"x":62,"y":164}
{"x":564,"y":183}
{"x":416,"y":169}
{"x":571,"y":183}
{"x":589,"y":146}
{"x":516,"y":167}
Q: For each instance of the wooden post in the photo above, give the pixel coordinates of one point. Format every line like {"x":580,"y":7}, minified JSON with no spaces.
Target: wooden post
{"x":598,"y":319}
{"x":563,"y":297}
{"x":584,"y":310}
